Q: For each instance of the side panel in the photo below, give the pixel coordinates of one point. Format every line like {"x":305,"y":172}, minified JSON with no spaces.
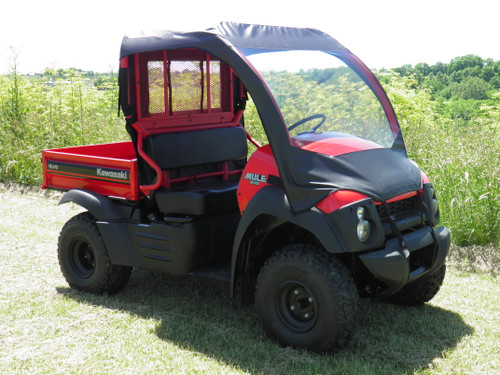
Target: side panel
{"x":177,"y":246}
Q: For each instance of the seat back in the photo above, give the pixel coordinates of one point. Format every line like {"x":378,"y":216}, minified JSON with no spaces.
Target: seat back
{"x":193,"y":156}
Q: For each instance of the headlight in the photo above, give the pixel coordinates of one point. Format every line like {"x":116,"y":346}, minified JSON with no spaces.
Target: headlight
{"x":363,"y":227}
{"x":363,"y":230}
{"x":360,"y":212}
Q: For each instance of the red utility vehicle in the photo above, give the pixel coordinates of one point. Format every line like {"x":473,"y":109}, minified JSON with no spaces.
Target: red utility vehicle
{"x":329,"y":210}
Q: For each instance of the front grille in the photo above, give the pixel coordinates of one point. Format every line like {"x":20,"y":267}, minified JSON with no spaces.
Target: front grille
{"x":397,"y":208}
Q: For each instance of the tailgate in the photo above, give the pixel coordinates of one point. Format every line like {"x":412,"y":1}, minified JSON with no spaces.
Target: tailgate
{"x":108,"y":169}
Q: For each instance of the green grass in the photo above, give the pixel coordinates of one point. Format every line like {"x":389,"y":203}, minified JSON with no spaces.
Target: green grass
{"x":182,"y":325}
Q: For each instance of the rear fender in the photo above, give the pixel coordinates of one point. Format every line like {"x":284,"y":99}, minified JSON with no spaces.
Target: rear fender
{"x":268,"y":209}
{"x":110,"y":219}
{"x":101,"y":207}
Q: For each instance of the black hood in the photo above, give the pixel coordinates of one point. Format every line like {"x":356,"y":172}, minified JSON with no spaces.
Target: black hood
{"x":379,"y":173}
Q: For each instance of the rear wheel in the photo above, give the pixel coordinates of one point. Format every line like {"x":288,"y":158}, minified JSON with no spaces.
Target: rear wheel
{"x":307,"y":299}
{"x":84,"y":260}
{"x":420,"y":291}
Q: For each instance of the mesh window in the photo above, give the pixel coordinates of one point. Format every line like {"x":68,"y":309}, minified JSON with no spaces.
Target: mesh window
{"x":215,"y":86}
{"x":156,"y":87}
{"x":183,"y":82}
{"x":187,"y":81}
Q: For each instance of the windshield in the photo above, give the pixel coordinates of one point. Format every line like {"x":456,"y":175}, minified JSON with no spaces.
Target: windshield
{"x":317,"y":93}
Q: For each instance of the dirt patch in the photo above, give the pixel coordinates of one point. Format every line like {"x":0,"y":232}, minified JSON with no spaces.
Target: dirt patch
{"x":475,"y":258}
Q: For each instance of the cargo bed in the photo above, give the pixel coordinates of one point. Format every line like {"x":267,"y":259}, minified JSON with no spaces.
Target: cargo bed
{"x":109,"y":169}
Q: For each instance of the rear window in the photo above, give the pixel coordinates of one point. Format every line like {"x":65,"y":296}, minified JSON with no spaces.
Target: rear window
{"x":183,"y":82}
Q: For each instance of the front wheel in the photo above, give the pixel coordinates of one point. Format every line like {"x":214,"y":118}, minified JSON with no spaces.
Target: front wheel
{"x":84,"y":260}
{"x":305,"y":298}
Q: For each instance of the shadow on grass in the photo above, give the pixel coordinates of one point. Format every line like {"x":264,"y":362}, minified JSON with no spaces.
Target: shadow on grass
{"x":198,"y":315}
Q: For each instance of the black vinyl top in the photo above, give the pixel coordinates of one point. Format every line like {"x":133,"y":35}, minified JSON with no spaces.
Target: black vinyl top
{"x":246,"y":37}
{"x":253,"y":38}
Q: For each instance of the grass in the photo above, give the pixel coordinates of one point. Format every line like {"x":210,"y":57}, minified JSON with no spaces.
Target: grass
{"x":165,"y":324}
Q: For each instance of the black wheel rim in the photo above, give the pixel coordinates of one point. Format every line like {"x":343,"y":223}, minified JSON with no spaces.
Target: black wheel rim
{"x":82,"y":258}
{"x":296,"y":306}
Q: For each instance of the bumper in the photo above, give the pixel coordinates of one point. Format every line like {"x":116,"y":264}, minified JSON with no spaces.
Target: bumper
{"x":427,"y":250}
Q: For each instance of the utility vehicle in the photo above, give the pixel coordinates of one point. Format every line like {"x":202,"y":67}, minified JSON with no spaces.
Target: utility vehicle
{"x":328,"y":210}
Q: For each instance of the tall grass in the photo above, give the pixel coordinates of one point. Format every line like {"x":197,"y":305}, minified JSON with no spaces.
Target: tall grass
{"x":461,"y":160}
{"x":36,"y":115}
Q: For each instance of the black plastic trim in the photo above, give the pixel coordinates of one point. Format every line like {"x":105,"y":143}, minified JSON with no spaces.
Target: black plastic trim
{"x":391,"y":264}
{"x":346,"y":220}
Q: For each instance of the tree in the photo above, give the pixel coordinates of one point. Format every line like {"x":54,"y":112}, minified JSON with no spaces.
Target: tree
{"x":472,"y":88}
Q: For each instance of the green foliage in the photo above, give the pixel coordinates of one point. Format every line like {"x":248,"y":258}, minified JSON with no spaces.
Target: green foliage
{"x":37,"y":114}
{"x":460,"y":157}
{"x":472,"y":88}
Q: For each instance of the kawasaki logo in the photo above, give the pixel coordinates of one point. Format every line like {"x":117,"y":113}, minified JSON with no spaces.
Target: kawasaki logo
{"x":255,"y":178}
{"x":120,"y":175}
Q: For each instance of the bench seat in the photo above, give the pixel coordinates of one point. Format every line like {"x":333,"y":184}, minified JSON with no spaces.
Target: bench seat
{"x":202,"y":169}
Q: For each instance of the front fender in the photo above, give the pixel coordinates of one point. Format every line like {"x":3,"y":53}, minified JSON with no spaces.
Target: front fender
{"x":271,"y":201}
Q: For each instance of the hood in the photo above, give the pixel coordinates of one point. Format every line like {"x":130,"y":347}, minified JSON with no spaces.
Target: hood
{"x":379,"y":173}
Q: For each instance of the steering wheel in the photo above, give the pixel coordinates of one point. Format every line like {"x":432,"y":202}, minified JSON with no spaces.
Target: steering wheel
{"x":309,"y":118}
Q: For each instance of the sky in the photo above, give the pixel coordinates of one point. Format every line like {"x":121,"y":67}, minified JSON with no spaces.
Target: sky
{"x":383,"y":33}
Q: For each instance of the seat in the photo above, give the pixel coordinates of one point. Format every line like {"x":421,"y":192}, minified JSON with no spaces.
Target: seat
{"x":203,"y":169}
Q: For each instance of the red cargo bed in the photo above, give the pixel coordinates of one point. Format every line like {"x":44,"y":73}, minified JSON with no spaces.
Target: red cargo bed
{"x":109,"y":169}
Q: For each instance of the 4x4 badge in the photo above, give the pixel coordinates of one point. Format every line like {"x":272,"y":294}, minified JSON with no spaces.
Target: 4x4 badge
{"x":255,"y":178}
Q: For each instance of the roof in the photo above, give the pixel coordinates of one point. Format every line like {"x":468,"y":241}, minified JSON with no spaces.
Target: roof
{"x":246,"y":37}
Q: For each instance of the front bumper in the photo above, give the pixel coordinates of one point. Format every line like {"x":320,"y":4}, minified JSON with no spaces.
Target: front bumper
{"x":426,"y":252}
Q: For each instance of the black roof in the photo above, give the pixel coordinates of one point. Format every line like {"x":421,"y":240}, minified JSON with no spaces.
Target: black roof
{"x":246,"y":37}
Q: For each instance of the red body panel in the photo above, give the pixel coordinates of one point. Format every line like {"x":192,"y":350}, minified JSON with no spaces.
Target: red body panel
{"x":339,"y":199}
{"x":256,"y":175}
{"x":333,"y":146}
{"x":107,"y":169}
